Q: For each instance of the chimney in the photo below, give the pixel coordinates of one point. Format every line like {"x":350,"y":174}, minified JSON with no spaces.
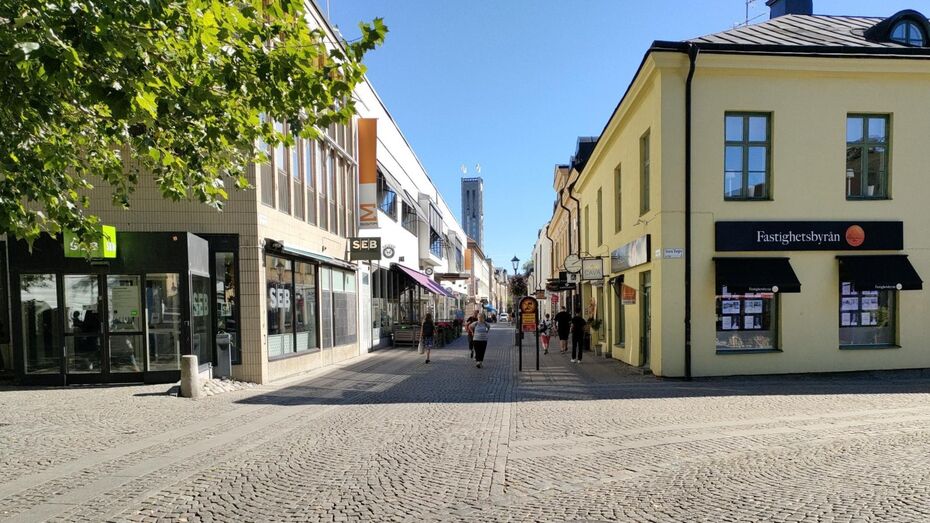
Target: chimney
{"x":790,"y":7}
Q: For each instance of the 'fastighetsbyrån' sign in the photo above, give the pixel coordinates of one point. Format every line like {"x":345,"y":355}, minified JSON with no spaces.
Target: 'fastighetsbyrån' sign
{"x":809,"y":236}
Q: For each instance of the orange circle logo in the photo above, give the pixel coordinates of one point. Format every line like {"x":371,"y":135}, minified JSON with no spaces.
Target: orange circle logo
{"x":855,"y":236}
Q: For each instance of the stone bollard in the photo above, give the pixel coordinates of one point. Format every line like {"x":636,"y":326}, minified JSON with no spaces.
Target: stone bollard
{"x":190,"y":378}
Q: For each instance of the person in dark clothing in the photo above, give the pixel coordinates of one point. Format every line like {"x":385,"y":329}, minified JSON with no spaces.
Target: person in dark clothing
{"x":426,"y":334}
{"x":578,"y":326}
{"x":471,"y":336}
{"x":563,"y":324}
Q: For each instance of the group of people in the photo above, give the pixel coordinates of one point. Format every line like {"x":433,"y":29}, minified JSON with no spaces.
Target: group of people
{"x":477,"y":328}
{"x":564,"y":325}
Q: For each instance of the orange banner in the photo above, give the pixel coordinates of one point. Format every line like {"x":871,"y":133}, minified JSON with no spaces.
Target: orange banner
{"x":368,"y":172}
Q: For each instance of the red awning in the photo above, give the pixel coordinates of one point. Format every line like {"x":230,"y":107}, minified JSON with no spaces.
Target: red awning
{"x":422,"y":280}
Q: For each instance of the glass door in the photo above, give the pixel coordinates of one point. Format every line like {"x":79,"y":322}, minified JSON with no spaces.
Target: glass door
{"x":163,"y":309}
{"x":83,"y":325}
{"x":124,"y":326}
{"x":201,"y":326}
{"x":646,"y":293}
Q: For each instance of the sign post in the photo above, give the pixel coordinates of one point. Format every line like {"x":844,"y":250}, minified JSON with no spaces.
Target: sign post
{"x":529,"y":321}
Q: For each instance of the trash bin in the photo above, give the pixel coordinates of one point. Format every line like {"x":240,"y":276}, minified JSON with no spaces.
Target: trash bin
{"x":223,"y":355}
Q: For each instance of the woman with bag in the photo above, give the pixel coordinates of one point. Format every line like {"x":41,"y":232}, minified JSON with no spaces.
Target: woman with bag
{"x":544,"y":327}
{"x":480,"y":330}
{"x":426,"y":334}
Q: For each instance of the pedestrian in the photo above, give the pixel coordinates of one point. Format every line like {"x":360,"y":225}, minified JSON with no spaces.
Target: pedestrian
{"x":471,"y":335}
{"x":426,"y":334}
{"x":578,"y":327}
{"x":563,"y":324}
{"x":544,"y":328}
{"x":480,"y":328}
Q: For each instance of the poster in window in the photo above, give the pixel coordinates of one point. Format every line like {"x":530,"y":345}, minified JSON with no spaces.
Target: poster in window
{"x":748,"y":323}
{"x":847,"y":289}
{"x":869,"y":293}
{"x":870,"y":303}
{"x":753,"y":306}
{"x":849,"y":304}
{"x":845,"y":319}
{"x":730,"y":306}
{"x":727,"y":323}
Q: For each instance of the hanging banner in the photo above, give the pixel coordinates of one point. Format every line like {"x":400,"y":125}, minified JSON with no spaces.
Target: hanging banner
{"x":627,"y":295}
{"x":367,"y":173}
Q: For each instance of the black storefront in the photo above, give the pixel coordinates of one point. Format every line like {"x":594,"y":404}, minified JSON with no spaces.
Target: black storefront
{"x":129,"y":318}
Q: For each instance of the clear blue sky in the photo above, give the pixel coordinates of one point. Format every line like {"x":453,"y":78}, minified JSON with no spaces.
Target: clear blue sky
{"x":511,"y":84}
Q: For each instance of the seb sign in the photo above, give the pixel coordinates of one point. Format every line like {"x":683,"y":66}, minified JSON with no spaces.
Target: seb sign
{"x":364,"y":249}
{"x":279,"y":298}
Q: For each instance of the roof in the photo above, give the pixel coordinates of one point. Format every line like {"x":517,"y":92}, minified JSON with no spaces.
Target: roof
{"x":793,"y":32}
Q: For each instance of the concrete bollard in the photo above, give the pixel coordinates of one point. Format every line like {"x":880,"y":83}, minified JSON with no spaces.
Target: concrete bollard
{"x":190,"y":378}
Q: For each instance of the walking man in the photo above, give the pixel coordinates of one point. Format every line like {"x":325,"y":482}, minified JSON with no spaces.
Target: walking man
{"x":563,"y":323}
{"x":578,"y":326}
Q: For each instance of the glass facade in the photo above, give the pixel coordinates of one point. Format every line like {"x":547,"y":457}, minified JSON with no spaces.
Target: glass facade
{"x":164,"y":306}
{"x":38,"y":294}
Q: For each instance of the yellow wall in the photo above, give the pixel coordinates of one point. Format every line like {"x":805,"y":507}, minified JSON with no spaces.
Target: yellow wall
{"x":809,"y":99}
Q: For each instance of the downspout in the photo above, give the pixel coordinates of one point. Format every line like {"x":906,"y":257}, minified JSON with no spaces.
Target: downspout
{"x":551,"y":249}
{"x":692,"y":59}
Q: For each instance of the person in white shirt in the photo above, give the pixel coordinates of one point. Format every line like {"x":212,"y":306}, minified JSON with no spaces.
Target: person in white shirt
{"x":480,"y":330}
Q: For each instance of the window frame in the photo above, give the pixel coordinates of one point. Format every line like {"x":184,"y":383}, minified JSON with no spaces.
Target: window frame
{"x":910,"y":26}
{"x":774,"y":322}
{"x":893,"y":296}
{"x":885,"y":180}
{"x":745,"y":144}
{"x":599,"y":206}
{"x":618,"y":198}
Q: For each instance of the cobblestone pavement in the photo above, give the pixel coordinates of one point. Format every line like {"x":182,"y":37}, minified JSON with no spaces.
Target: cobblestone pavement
{"x":387,"y":438}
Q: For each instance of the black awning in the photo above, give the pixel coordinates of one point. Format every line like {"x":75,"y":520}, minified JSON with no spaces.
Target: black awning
{"x":755,"y":275}
{"x":889,"y":271}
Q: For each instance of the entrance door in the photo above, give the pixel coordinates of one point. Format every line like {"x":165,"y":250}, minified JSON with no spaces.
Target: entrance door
{"x":124,"y":329}
{"x":83,"y":324}
{"x":645,"y":280}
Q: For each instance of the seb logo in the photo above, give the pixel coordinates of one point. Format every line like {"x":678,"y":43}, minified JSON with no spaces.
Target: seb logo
{"x":855,"y":236}
{"x":366,"y":243}
{"x":279,"y":298}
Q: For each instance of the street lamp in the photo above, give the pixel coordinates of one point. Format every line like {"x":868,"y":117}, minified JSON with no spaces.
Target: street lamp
{"x":516,"y":263}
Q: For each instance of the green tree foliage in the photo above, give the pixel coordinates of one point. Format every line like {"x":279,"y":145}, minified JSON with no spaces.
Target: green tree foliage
{"x":96,"y":93}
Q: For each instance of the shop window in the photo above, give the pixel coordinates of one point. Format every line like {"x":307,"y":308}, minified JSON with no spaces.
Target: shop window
{"x":867,"y":318}
{"x":227,"y":301}
{"x":620,"y":319}
{"x":280,"y":297}
{"x":124,"y":300}
{"x":38,"y":294}
{"x":747,"y":156}
{"x":867,"y":145}
{"x":305,"y":307}
{"x":326,"y":307}
{"x":644,"y":168}
{"x":747,"y":322}
{"x":163,"y":306}
{"x":83,"y":324}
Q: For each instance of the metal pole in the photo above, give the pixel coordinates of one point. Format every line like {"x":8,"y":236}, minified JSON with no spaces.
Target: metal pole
{"x":520,"y":350}
{"x":537,"y":336}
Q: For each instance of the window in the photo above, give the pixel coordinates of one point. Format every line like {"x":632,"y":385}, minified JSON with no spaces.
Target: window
{"x":644,"y":174}
{"x":339,"y":309}
{"x":284,"y":181}
{"x":620,"y":328}
{"x":867,"y":318}
{"x":322,"y":208}
{"x":294,"y":166}
{"x":387,"y":198}
{"x":907,"y":33}
{"x":747,"y":322}
{"x":334,"y":190}
{"x":747,"y":156}
{"x":38,"y":294}
{"x":227,"y":300}
{"x":163,"y":305}
{"x":265,"y":172}
{"x":310,"y":177}
{"x":326,"y":307}
{"x":435,"y":243}
{"x":279,"y":281}
{"x":587,"y":222}
{"x":409,"y":218}
{"x":618,"y":201}
{"x":867,"y":156}
{"x":600,"y":217}
{"x":291,"y":287}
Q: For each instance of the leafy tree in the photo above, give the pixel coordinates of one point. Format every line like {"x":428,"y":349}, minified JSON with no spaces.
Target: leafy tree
{"x":97,"y":93}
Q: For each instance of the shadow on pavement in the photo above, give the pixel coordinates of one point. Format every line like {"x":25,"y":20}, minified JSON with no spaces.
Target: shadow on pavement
{"x":400,"y":376}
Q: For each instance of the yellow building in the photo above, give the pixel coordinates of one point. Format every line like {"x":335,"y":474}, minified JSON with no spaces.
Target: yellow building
{"x":762,"y":191}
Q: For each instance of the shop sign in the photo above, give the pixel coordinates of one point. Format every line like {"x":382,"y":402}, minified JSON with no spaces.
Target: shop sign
{"x":630,"y":255}
{"x":540,"y":295}
{"x":106,"y":248}
{"x":555,"y":299}
{"x":627,"y":295}
{"x":528,"y":314}
{"x":809,"y":236}
{"x":592,"y":269}
{"x":364,"y":249}
{"x":368,"y":173}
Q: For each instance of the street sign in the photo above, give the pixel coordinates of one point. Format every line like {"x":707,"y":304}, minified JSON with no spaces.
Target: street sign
{"x":673,"y":253}
{"x":528,"y":316}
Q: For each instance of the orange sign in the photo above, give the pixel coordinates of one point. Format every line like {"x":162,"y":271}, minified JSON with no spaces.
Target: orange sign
{"x":367,"y":172}
{"x":628,"y":295}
